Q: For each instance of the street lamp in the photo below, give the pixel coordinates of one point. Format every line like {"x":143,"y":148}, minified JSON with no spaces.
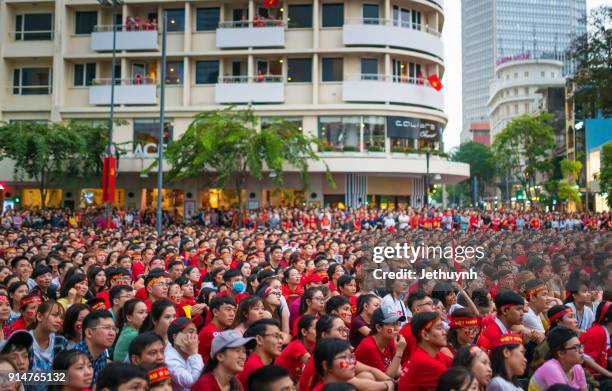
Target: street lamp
{"x":113,"y":4}
{"x":426,"y":195}
{"x":160,"y":140}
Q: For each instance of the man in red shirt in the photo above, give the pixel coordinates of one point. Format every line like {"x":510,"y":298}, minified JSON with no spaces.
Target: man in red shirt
{"x":417,"y":302}
{"x":384,"y":347}
{"x":223,"y":311}
{"x":510,"y":309}
{"x":267,"y":334}
{"x":156,"y":285}
{"x":428,"y":363}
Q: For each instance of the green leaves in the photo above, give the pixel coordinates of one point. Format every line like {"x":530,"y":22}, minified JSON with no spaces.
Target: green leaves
{"x":605,"y":172}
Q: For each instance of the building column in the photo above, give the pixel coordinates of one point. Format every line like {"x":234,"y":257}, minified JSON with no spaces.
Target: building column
{"x":57,"y":95}
{"x":6,"y":73}
{"x":188,"y":28}
{"x":250,"y":66}
{"x":251,"y":9}
{"x":186,"y":82}
{"x":387,"y":68}
{"x":315,"y":24}
{"x":388,"y":10}
{"x":315,"y":79}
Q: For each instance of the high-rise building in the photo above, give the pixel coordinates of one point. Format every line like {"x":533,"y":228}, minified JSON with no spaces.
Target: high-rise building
{"x":353,"y":74}
{"x":496,"y":30}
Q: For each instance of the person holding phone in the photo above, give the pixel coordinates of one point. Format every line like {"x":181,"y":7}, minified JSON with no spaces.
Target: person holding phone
{"x":182,"y":358}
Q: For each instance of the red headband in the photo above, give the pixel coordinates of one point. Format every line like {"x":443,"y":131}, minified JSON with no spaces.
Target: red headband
{"x":559,"y":315}
{"x":30,"y":300}
{"x":4,"y":299}
{"x":460,"y":322}
{"x":428,"y":326}
{"x":531,"y":293}
{"x":154,"y":280}
{"x":158,"y":375}
{"x":98,"y":306}
{"x":508,"y":339}
{"x":604,"y":310}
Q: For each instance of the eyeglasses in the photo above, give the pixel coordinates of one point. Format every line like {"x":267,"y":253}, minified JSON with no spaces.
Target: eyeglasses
{"x":321,"y":299}
{"x":424,"y":304}
{"x":343,"y":330}
{"x":277,"y":293}
{"x":161,"y":284}
{"x":278,"y":336}
{"x":347,"y":357}
{"x":107,"y":328}
{"x":579,"y":347}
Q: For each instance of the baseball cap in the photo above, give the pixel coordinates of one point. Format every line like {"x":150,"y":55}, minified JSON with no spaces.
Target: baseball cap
{"x":386,"y":314}
{"x":229,"y":339}
{"x":177,"y":326}
{"x":18,"y":338}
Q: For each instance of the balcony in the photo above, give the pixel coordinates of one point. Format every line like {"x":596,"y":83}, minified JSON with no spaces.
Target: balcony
{"x":251,"y":34}
{"x":244,"y":89}
{"x":142,"y":37}
{"x":385,"y":32}
{"x":128,"y":92}
{"x":392,"y":89}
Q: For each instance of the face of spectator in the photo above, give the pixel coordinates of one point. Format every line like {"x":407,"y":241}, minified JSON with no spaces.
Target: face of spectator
{"x":481,"y":366}
{"x":23,"y":270}
{"x":436,"y":335}
{"x":157,"y":264}
{"x":344,"y":312}
{"x":136,"y":384}
{"x":159,"y":289}
{"x":52,"y":320}
{"x":255,"y":313}
{"x":194,"y":275}
{"x":245,"y":270}
{"x":338,"y":330}
{"x":539,"y":301}
{"x":44,"y":280}
{"x":19,"y":357}
{"x":515,"y":361}
{"x":167,"y":317}
{"x":343,"y":367}
{"x":233,"y":359}
{"x":571,"y":354}
{"x":225,"y":314}
{"x":583,"y":296}
{"x":272,"y":341}
{"x":100,"y":279}
{"x":80,"y":373}
{"x":152,"y":354}
{"x":176,"y":271}
{"x":103,"y":335}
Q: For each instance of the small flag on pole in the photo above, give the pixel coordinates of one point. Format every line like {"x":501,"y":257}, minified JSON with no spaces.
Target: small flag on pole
{"x":270,"y":3}
{"x":434,"y":82}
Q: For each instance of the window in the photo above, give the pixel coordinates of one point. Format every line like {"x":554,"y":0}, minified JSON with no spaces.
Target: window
{"x":207,"y":72}
{"x":299,"y":70}
{"x":369,"y":69}
{"x":374,"y":133}
{"x":371,"y":14}
{"x":332,"y":69}
{"x":84,"y":74}
{"x":207,"y":19}
{"x":85,"y":21}
{"x":340,"y":133}
{"x":32,"y":81}
{"x":333,"y":15}
{"x":176,"y":19}
{"x":146,"y":131}
{"x":174,"y":72}
{"x":266,"y":122}
{"x":300,"y":16}
{"x":34,"y":27}
{"x":526,"y":74}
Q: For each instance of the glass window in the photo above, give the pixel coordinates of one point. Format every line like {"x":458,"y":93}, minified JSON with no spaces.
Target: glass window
{"x":34,"y":27}
{"x":333,"y":15}
{"x":146,"y":131}
{"x":340,"y":133}
{"x":32,"y":81}
{"x":332,"y":69}
{"x":174,"y":72}
{"x":369,"y":69}
{"x":85,"y":21}
{"x":176,"y":19}
{"x":207,"y":19}
{"x":300,"y":16}
{"x":299,"y":70}
{"x":207,"y":72}
{"x":295,"y":121}
{"x":84,"y":74}
{"x":374,"y":133}
{"x":371,"y":14}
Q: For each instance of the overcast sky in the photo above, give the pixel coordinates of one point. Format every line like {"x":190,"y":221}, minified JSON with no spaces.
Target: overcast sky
{"x":452,"y":75}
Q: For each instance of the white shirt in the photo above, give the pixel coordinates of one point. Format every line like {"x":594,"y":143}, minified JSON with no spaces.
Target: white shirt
{"x":397,"y":306}
{"x":585,"y":321}
{"x":184,"y":373}
{"x":533,"y":321}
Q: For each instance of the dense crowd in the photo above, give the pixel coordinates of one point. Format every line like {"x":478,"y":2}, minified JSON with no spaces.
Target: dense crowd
{"x":288,"y":299}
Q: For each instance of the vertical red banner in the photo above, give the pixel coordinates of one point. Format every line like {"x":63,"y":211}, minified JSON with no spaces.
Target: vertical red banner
{"x":109,"y":175}
{"x":104,"y":179}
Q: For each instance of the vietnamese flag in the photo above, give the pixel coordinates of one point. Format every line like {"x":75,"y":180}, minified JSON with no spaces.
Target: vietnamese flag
{"x":434,"y":82}
{"x":270,"y":3}
{"x":109,"y":174}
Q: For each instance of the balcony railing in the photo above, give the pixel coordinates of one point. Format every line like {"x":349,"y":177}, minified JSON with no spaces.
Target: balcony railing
{"x":129,"y":81}
{"x":143,"y":36}
{"x":394,"y":23}
{"x":421,"y":81}
{"x":236,"y":24}
{"x":142,"y":26}
{"x":251,"y":79}
{"x":127,"y":91}
{"x":247,"y":89}
{"x":251,"y":33}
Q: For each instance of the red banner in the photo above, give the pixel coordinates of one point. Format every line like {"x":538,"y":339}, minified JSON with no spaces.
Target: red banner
{"x":270,"y":3}
{"x":434,"y":82}
{"x":109,"y":175}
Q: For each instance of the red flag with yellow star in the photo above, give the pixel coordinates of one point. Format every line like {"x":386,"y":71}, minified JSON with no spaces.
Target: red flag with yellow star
{"x":434,"y":82}
{"x":270,"y":3}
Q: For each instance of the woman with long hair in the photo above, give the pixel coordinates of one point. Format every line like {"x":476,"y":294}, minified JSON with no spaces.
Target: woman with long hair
{"x":360,"y":324}
{"x":476,"y":361}
{"x":579,"y":301}
{"x":5,"y":313}
{"x":16,"y":292}
{"x":507,"y":362}
{"x":225,"y":362}
{"x":78,"y":367}
{"x":73,"y":324}
{"x":97,"y":280}
{"x":457,"y":379}
{"x":250,"y":310}
{"x":74,"y":290}
{"x":334,"y":362}
{"x":292,"y":289}
{"x":464,"y":329}
{"x":295,"y":356}
{"x":312,"y":303}
{"x":45,"y":329}
{"x":28,"y":307}
{"x":161,"y":315}
{"x":131,"y":317}
{"x":271,"y":294}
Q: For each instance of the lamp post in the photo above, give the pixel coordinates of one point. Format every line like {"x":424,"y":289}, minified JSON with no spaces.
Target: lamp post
{"x":426,"y":195}
{"x":160,"y":141}
{"x":113,"y":4}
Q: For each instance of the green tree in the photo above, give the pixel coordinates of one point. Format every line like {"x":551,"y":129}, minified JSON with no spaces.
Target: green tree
{"x":524,"y":147}
{"x":567,"y":189}
{"x":605,"y":172}
{"x":592,"y":52}
{"x":48,"y":153}
{"x":227,"y":146}
{"x":480,"y":159}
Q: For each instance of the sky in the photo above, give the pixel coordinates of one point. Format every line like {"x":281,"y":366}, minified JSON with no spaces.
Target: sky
{"x":451,"y":35}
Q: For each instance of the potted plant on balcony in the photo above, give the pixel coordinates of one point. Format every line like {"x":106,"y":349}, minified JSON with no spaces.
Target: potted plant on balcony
{"x":350,"y":150}
{"x":327,"y":148}
{"x":377,"y":150}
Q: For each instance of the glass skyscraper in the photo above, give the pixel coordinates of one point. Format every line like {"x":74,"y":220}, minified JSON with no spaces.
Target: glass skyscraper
{"x":497,"y":30}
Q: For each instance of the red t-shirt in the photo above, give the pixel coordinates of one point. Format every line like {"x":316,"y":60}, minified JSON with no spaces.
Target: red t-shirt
{"x":17,"y":325}
{"x":238,"y":297}
{"x":368,"y":353}
{"x":252,"y":364}
{"x":319,"y":386}
{"x":138,"y":270}
{"x":595,"y":346}
{"x":490,"y":333}
{"x":290,"y":358}
{"x":423,"y":371}
{"x":205,"y":338}
{"x":206,"y":383}
{"x":106,"y":296}
{"x":308,"y":375}
{"x":411,"y":342}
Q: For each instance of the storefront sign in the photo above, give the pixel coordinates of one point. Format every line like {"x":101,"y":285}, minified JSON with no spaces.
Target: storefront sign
{"x":143,"y":151}
{"x":408,"y":127}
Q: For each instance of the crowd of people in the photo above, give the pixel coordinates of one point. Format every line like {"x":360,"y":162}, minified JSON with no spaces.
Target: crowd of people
{"x":286,"y":299}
